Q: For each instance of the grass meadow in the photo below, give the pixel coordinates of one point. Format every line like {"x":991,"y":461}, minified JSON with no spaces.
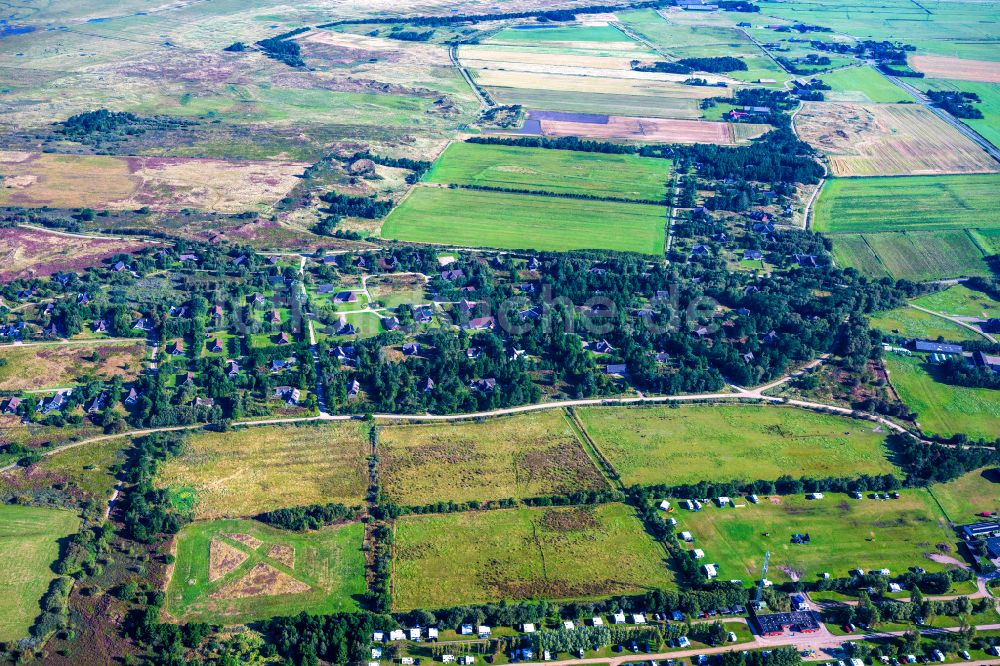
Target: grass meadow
{"x":912,"y":323}
{"x":845,"y":534}
{"x":28,"y":547}
{"x":451,"y":559}
{"x":558,"y":171}
{"x":732,"y":442}
{"x":88,"y":468}
{"x":943,"y":409}
{"x":59,"y":366}
{"x":866,"y":205}
{"x":252,"y":470}
{"x":862,"y":84}
{"x":853,"y":251}
{"x":961,"y":301}
{"x":969,"y":494}
{"x":273,"y":572}
{"x":989,"y":125}
{"x":521,"y":456}
{"x":517,"y":221}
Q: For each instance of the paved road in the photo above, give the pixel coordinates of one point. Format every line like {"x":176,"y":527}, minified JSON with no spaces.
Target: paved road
{"x":480,"y":94}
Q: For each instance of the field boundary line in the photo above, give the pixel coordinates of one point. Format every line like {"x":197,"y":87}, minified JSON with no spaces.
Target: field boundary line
{"x":878,"y":257}
{"x":593,"y":452}
{"x":955,"y":320}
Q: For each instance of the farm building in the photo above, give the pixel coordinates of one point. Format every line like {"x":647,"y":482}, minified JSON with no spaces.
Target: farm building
{"x":775,"y":624}
{"x":619,"y":618}
{"x":936,"y":347}
{"x":710,"y":571}
{"x":596,"y":621}
{"x":982,"y":530}
{"x":686,"y":536}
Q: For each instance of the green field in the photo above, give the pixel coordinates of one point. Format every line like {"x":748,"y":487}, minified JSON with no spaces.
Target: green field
{"x":325,"y":575}
{"x":251,"y":470}
{"x":862,"y":84}
{"x":845,"y":534}
{"x":968,"y":495}
{"x":912,"y":323}
{"x":512,"y":457}
{"x":732,"y":442}
{"x":559,"y":171}
{"x":451,"y":559}
{"x":959,"y":300}
{"x":913,"y":255}
{"x":865,"y":205}
{"x":28,"y":547}
{"x":943,"y":409}
{"x":519,"y":221}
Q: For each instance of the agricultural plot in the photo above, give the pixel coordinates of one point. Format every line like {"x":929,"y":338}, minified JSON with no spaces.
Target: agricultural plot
{"x":64,"y":365}
{"x":915,"y":324}
{"x":944,"y":67}
{"x":513,"y":221}
{"x":33,"y":253}
{"x":252,"y":470}
{"x":665,"y":130}
{"x":29,"y":545}
{"x":844,"y":533}
{"x":862,"y":84}
{"x":120,"y":183}
{"x":734,"y":442}
{"x":236,"y":571}
{"x":888,"y":140}
{"x":559,"y":171}
{"x":517,"y":457}
{"x":852,"y":251}
{"x":928,"y":255}
{"x":866,"y":205}
{"x":610,"y":104}
{"x":960,"y":301}
{"x":968,"y":495}
{"x":452,"y":559}
{"x":943,"y":409}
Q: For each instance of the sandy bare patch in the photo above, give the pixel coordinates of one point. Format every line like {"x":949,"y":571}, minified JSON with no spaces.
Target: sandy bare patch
{"x":247,"y":540}
{"x":888,"y":140}
{"x":945,"y":67}
{"x":223,"y":558}
{"x":262,"y":580}
{"x":946,"y":559}
{"x":283,"y":553}
{"x":650,"y":129}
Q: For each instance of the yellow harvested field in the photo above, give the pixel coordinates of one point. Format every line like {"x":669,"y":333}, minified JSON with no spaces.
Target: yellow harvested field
{"x":590,"y":72}
{"x":252,"y":470}
{"x":591,"y":84}
{"x":162,"y":183}
{"x":946,"y":67}
{"x":888,"y":140}
{"x":654,"y":129}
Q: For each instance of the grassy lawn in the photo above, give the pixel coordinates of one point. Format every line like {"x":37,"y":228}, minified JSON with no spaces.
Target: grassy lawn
{"x":520,"y":456}
{"x":516,"y":221}
{"x":959,"y":300}
{"x":913,"y":323}
{"x":845,"y":534}
{"x":732,"y":442}
{"x":968,"y":495}
{"x":57,"y":366}
{"x":862,"y":84}
{"x":558,"y":553}
{"x":284,"y":574}
{"x":852,"y":251}
{"x":915,"y":255}
{"x":28,"y":547}
{"x":908,"y":203}
{"x":545,"y":170}
{"x":943,"y":409}
{"x":251,"y":470}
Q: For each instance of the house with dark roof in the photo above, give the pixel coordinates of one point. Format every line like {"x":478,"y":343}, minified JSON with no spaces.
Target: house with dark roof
{"x":176,"y":348}
{"x":486,"y":385}
{"x":12,"y":405}
{"x":132,"y":397}
{"x":453,"y":274}
{"x":806,"y":260}
{"x":603,"y":347}
{"x":274,"y":317}
{"x":390,"y":323}
{"x":215,"y":346}
{"x":411,"y":349}
{"x":283,"y":339}
{"x":936,"y":347}
{"x":346,"y":297}
{"x":353,"y":387}
{"x":753,"y":255}
{"x":324,"y":289}
{"x":617,"y":369}
{"x":481,"y":324}
{"x":700,"y":251}
{"x":776,"y":624}
{"x":984,"y":529}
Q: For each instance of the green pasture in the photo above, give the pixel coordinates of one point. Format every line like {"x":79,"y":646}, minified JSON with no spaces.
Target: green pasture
{"x":968,"y":495}
{"x":862,"y":84}
{"x":959,"y":300}
{"x":915,"y":324}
